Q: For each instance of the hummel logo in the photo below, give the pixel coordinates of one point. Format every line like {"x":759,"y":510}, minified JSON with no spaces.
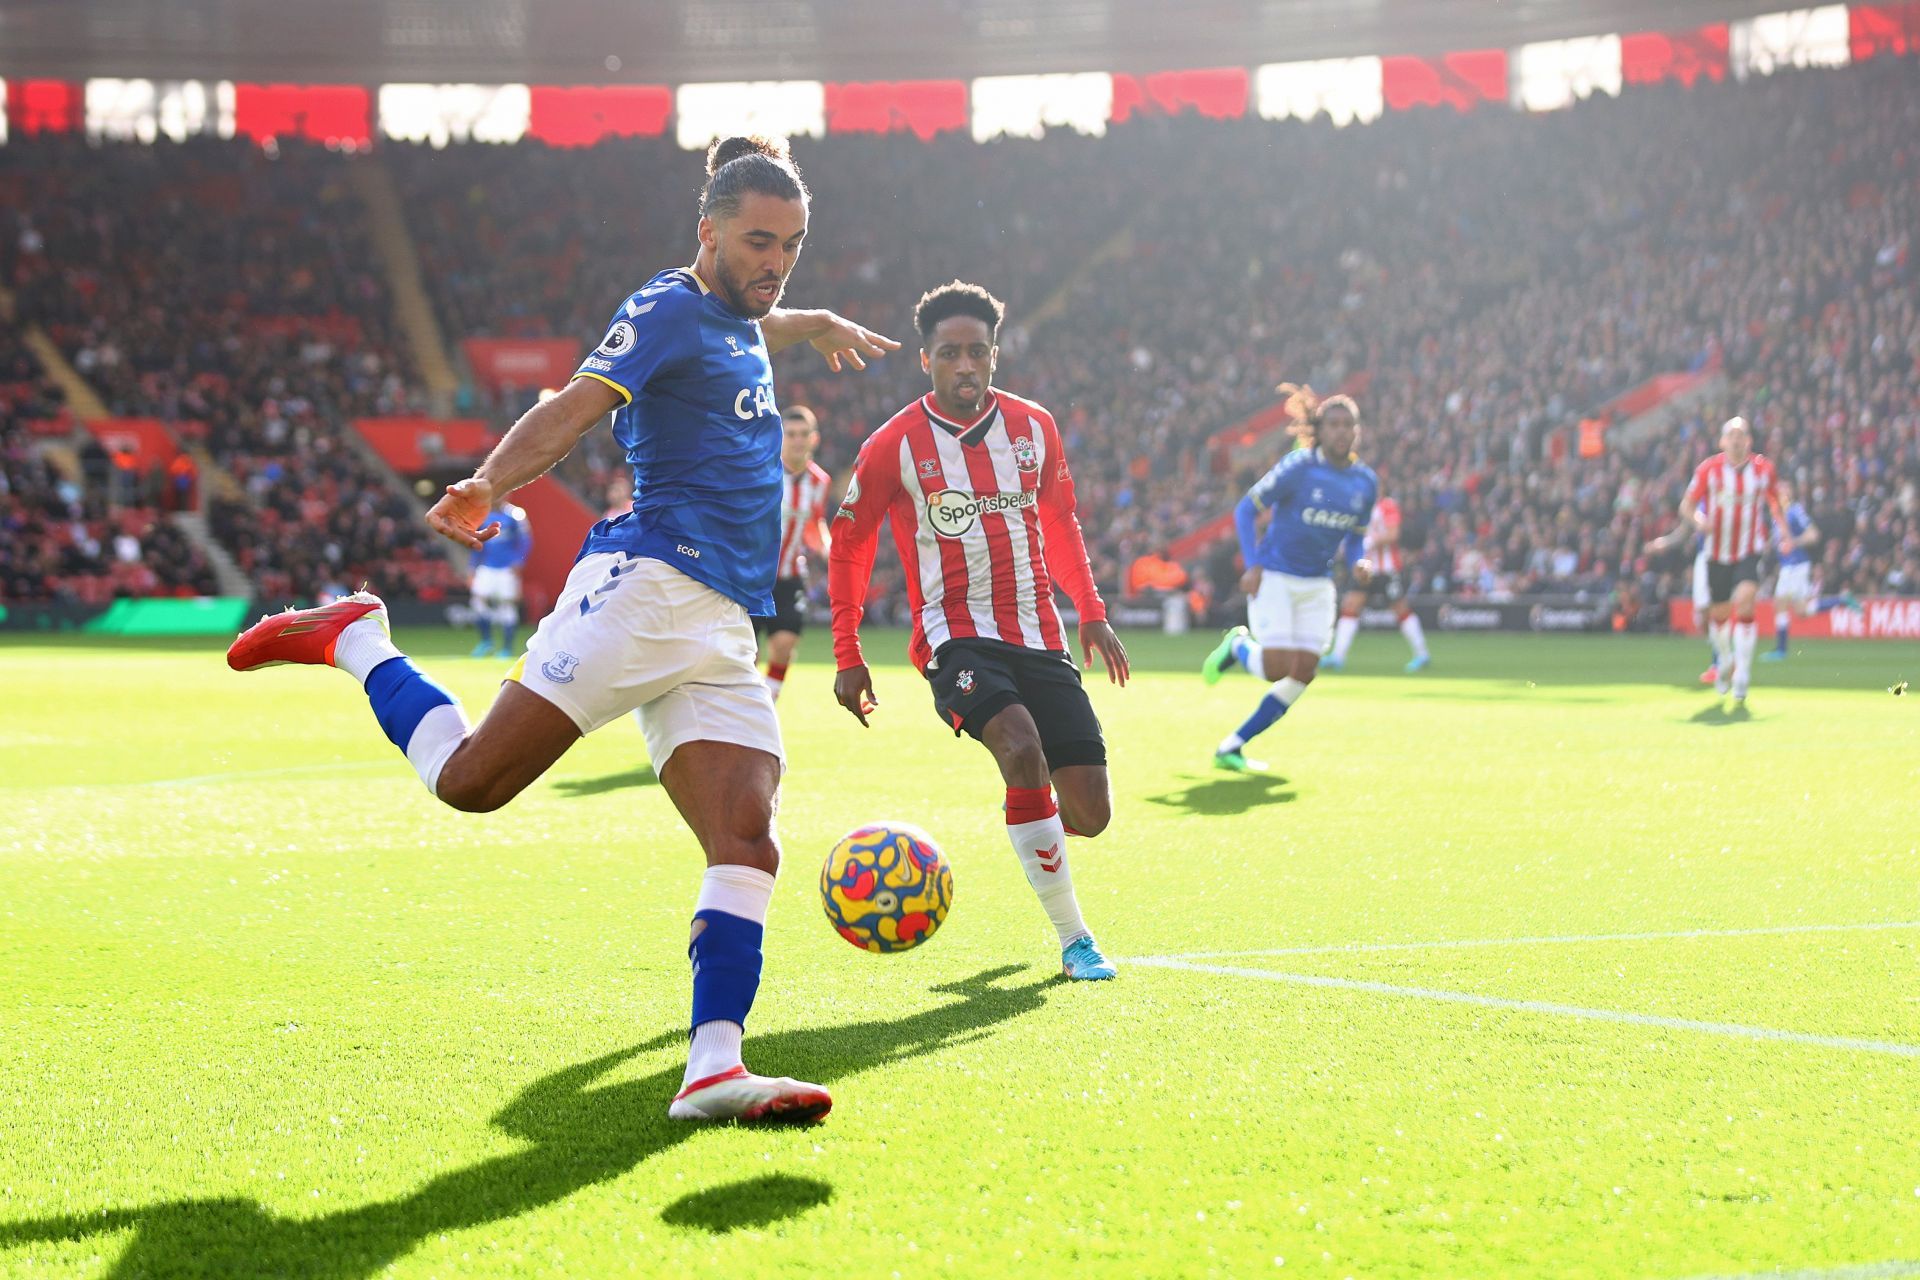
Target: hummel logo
{"x":733,"y":346}
{"x":1053,"y":853}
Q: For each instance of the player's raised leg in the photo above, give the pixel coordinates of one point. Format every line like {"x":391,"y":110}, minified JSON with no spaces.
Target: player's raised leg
{"x":1416,"y":637}
{"x":1039,"y":837}
{"x":477,"y":769}
{"x":483,"y":611}
{"x":1285,"y":609}
{"x":728,"y":793}
{"x":780,"y":649}
{"x":1352,"y":602}
{"x":1745,"y":633}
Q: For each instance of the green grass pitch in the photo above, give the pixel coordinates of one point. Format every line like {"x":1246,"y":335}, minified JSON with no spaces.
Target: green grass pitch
{"x":1534,"y":965}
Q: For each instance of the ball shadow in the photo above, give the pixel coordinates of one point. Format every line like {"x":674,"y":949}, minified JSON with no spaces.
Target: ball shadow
{"x":757,"y":1202}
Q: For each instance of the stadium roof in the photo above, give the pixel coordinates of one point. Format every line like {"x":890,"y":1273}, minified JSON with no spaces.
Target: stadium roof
{"x":679,"y":41}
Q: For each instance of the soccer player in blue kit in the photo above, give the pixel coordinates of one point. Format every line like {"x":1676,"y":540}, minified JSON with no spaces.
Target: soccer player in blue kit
{"x":496,"y":576}
{"x":654,"y":616}
{"x":1316,"y":497}
{"x":1793,"y":593}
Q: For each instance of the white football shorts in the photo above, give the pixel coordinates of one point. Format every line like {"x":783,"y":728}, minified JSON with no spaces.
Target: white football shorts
{"x":1702,"y":593}
{"x":1292,"y":613}
{"x":631,"y":633}
{"x":1795,"y":582}
{"x":490,"y":583}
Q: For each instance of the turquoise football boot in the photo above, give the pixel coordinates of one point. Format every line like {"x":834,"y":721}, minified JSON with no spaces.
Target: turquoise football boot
{"x":1235,"y":762}
{"x":1082,"y":962}
{"x":1221,"y":660}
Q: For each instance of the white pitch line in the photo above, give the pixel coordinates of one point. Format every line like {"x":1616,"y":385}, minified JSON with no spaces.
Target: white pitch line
{"x":1357,"y":948}
{"x":1543,"y":1006}
{"x":1854,"y":1271}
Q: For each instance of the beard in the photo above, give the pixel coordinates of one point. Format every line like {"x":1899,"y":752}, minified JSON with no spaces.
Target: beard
{"x":739,"y":291}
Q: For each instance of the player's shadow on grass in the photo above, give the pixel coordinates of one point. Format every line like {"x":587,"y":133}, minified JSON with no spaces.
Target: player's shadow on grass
{"x":1716,"y":716}
{"x":1226,"y":793}
{"x":579,"y":1133}
{"x":574,"y":788}
{"x":757,"y":1202}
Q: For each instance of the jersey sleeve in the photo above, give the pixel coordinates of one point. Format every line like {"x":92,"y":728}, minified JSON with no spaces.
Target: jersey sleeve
{"x":1275,"y":487}
{"x":641,"y":337}
{"x":1697,"y":487}
{"x":1269,"y":491}
{"x":814,"y":529}
{"x":1063,"y":542}
{"x":856,"y":532}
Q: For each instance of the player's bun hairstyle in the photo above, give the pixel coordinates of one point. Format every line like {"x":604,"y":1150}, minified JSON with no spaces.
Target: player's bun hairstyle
{"x":740,"y":165}
{"x":1305,"y":409}
{"x":958,"y":298}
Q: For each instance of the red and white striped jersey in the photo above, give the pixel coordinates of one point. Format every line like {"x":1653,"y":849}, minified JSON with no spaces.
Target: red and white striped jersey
{"x":983,"y":517}
{"x":1382,"y":544}
{"x":803,"y":515}
{"x":1734,"y":498}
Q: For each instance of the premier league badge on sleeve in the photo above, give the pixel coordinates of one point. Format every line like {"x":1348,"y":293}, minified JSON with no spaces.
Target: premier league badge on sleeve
{"x":619,"y":338}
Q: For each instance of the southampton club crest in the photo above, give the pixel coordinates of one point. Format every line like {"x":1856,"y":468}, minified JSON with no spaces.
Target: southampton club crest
{"x":1025,"y":456}
{"x":964,"y":682}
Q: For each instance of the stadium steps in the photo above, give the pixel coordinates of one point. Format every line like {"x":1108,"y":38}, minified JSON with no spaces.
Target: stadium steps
{"x":232,"y":580}
{"x":397,"y":483}
{"x":412,"y":311}
{"x":214,"y":478}
{"x":81,"y":397}
{"x":1054,"y":305}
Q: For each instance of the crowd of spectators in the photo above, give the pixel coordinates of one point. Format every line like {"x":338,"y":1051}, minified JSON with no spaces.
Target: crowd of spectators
{"x":234,"y":294}
{"x":1481,"y":282}
{"x":63,"y":539}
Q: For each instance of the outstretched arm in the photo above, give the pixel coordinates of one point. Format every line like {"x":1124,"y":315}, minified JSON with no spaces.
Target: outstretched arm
{"x":1064,"y":545}
{"x":545,"y":434}
{"x":839,"y":339}
{"x":875,"y":482}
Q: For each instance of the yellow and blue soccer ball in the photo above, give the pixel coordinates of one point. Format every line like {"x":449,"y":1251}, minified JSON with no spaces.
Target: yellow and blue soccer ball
{"x":886,"y":887}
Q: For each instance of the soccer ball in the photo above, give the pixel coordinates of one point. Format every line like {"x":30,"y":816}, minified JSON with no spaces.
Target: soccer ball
{"x":886,"y":887}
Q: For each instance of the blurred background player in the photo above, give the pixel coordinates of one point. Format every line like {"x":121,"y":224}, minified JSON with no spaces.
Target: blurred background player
{"x":1793,"y":591}
{"x":1724,"y":501}
{"x":982,"y":503}
{"x":1380,"y":549}
{"x":654,"y":615}
{"x":1702,"y":592}
{"x":1702,"y":601}
{"x":1313,"y":498}
{"x":803,"y":527}
{"x":496,"y":577}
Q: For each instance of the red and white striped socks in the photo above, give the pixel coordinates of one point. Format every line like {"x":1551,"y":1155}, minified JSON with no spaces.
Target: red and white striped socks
{"x":1040,"y":841}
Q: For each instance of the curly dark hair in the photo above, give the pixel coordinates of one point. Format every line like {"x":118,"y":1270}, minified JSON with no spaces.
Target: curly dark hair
{"x":958,"y":298}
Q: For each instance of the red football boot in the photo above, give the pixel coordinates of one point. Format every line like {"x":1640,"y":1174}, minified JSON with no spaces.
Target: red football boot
{"x":303,"y":636}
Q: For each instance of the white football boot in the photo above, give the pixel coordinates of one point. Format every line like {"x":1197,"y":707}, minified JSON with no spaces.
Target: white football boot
{"x":738,"y":1094}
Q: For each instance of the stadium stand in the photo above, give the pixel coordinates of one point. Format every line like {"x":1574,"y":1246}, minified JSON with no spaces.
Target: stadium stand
{"x":1485,"y":283}
{"x":231,"y":295}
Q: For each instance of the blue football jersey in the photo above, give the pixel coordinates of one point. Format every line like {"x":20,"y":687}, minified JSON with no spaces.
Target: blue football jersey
{"x":1315,"y":506}
{"x":1798,"y":522}
{"x":507,"y":549}
{"x":702,"y":435}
